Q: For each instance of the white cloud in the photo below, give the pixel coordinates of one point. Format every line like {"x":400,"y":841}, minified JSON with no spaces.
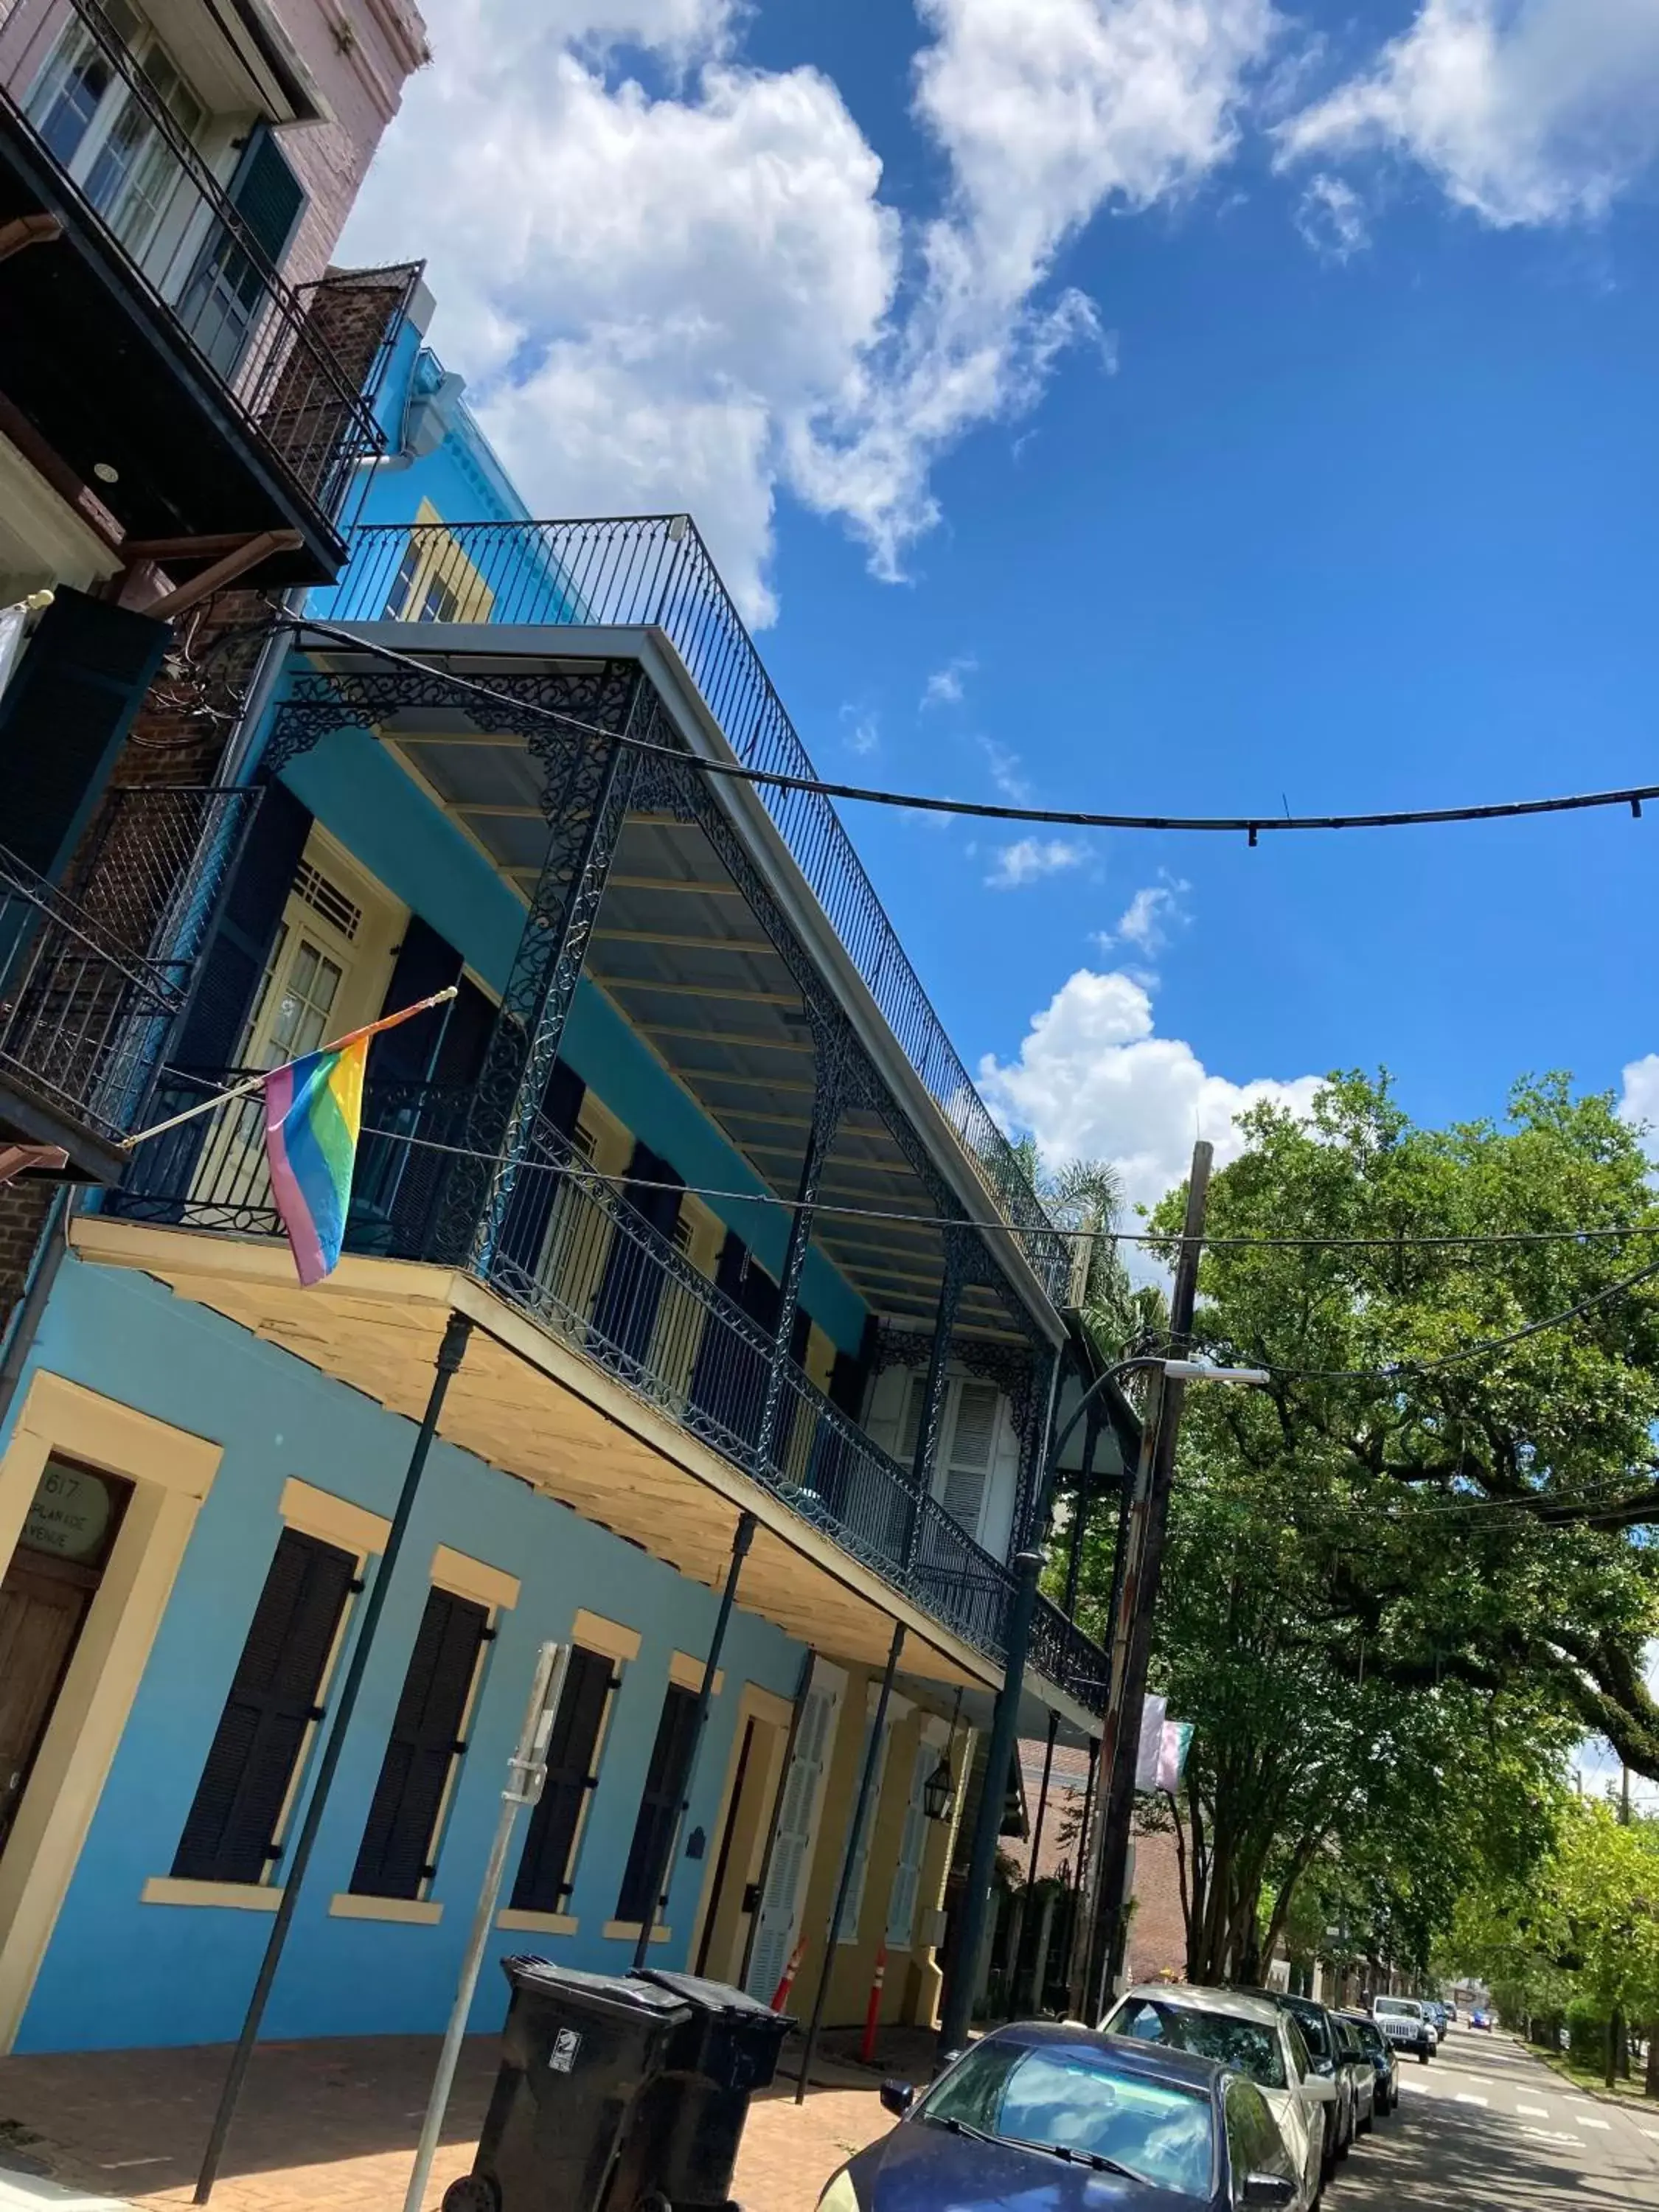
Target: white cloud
{"x":862,"y":728}
{"x":1147,"y":921}
{"x":1031,"y":858}
{"x":1639,"y":1101}
{"x":1525,"y":111}
{"x":1093,"y":1081}
{"x":1006,"y":771}
{"x":697,"y":298}
{"x":943,"y":687}
{"x":1331,"y":217}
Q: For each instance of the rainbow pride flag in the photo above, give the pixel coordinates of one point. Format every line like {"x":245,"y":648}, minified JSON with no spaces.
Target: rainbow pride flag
{"x":314,"y":1110}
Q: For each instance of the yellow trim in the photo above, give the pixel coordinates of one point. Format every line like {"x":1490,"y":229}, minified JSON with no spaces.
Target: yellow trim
{"x":627,"y":1931}
{"x":537,"y":1924}
{"x":774,"y":1712}
{"x":608,"y":1638}
{"x":467,"y":1577}
{"x":171,"y":1471}
{"x":416,"y":1911}
{"x":687,"y":1673}
{"x":333,"y":1519}
{"x":236,"y":1896}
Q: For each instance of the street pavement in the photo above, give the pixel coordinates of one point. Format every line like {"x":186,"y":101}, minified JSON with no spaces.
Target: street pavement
{"x":1485,"y":2127}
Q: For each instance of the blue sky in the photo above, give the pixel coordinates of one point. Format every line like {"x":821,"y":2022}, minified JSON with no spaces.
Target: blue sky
{"x":1155,"y":404}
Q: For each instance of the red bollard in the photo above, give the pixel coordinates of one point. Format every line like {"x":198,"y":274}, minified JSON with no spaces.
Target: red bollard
{"x":873,"y":2017}
{"x":780,"y":1994}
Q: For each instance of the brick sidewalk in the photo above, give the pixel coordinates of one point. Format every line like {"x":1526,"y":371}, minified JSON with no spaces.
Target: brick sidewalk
{"x":331,"y":2126}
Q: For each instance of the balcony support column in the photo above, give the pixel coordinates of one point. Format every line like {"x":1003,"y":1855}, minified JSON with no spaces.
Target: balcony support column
{"x":587,"y":791}
{"x":958,"y":1257}
{"x":830,"y":1098}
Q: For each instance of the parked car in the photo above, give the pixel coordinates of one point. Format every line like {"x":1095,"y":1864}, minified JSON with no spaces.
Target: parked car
{"x":1051,"y":2114}
{"x":1438,"y":2014}
{"x":1361,"y":2073}
{"x":1385,"y":2067}
{"x":1407,"y":2025}
{"x":1256,"y":2037}
{"x":1345,"y":2070}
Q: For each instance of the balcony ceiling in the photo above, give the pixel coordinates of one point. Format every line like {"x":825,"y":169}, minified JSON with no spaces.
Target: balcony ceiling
{"x":682,"y":957}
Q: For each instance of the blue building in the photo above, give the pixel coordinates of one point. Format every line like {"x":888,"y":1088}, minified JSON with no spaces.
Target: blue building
{"x":688,"y":1175}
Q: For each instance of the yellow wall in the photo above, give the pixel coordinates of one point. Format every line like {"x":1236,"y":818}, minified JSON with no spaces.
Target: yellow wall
{"x":911,"y":1990}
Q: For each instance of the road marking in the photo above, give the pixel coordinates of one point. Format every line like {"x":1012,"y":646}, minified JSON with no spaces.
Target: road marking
{"x":1533,"y":2111}
{"x":1652,"y":2134}
{"x":1464,"y":2098}
{"x":1544,"y":2134}
{"x":1586,"y":2122}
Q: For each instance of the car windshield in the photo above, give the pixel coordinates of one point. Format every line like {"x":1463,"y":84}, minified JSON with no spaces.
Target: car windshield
{"x":1246,"y":2045}
{"x":1369,"y":2034}
{"x":1074,"y":2098}
{"x":1399,"y":2009}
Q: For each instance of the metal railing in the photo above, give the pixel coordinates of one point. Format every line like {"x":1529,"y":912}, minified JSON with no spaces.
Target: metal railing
{"x":575,"y":1255}
{"x":166,"y":218}
{"x":655,"y":570}
{"x":93,"y":974}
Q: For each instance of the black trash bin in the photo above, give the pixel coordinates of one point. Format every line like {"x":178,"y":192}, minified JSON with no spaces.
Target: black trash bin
{"x":579,"y":2052}
{"x":683,"y":2142}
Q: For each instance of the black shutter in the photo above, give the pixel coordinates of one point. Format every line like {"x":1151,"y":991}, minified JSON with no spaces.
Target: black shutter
{"x":230,"y":1832}
{"x":530,"y":1204}
{"x":267,"y":194}
{"x":426,"y":963}
{"x":659,"y":1807}
{"x":237,"y":954}
{"x":403,"y":1814}
{"x":542,"y":1884}
{"x":64,"y":719}
{"x":228,"y":288}
{"x":625,"y":1311}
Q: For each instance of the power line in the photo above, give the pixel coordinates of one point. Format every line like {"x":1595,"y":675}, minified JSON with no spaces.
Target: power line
{"x":1251,"y":826}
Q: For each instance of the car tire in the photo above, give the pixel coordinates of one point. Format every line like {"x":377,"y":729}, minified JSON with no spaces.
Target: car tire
{"x":1422,"y":2057}
{"x":1365,"y":2125}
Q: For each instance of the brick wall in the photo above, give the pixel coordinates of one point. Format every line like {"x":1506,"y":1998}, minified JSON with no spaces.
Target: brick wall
{"x":23,"y":1209}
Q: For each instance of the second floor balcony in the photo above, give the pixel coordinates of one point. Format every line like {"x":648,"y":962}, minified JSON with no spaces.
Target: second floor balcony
{"x":156,"y":363}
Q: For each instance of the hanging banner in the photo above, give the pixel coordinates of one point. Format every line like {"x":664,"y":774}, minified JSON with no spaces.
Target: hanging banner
{"x":1153,"y":1714}
{"x":1172,"y":1755}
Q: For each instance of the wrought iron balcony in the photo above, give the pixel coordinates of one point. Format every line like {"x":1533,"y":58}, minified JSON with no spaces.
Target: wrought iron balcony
{"x":91,"y":977}
{"x":575,"y":1255}
{"x":145,"y":333}
{"x":655,"y":570}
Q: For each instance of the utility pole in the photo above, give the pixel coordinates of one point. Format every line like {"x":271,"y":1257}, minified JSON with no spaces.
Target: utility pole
{"x":1145,"y":1529}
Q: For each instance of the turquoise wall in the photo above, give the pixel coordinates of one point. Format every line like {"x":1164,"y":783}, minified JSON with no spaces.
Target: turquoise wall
{"x":120,"y":1973}
{"x":358,"y":792}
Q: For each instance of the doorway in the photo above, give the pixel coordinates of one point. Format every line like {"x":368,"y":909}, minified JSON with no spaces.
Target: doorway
{"x":68,"y":1532}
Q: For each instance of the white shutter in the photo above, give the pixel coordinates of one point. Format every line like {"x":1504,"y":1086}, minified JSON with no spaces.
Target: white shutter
{"x":799,"y":1809}
{"x":968,"y":1463}
{"x":907,"y":1877}
{"x":853,"y":1908}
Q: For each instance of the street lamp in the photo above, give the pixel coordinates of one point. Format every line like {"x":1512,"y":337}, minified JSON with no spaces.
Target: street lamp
{"x":1004,"y":1721}
{"x":939,"y":1792}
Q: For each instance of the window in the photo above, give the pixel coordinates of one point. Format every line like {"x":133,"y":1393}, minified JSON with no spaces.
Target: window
{"x":394,"y":1858}
{"x":438,"y":602}
{"x":231,"y":1833}
{"x":659,"y":1807}
{"x":403,"y":584}
{"x":96,"y":125}
{"x":970,"y":1437}
{"x":1254,"y":2142}
{"x":546,"y":1872}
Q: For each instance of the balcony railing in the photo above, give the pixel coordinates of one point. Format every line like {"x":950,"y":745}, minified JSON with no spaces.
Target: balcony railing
{"x":578,"y":1257}
{"x":655,"y":569}
{"x":168,"y":220}
{"x":92,"y":976}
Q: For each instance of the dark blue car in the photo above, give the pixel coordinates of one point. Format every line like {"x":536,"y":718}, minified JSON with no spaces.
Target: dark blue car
{"x":1042,"y":2118}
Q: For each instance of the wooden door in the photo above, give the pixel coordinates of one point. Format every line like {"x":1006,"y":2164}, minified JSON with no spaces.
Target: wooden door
{"x":42,"y":1602}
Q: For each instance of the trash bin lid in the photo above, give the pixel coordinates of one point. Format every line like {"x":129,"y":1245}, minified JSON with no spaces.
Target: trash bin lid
{"x":718,"y":1997}
{"x":541,"y":1976}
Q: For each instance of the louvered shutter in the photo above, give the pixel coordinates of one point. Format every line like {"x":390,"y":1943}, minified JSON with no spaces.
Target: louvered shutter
{"x":231,"y":1831}
{"x":906,"y":1876}
{"x":398,"y":1188}
{"x":854,"y":1907}
{"x":426,"y":963}
{"x":659,"y":1807}
{"x":521,"y":1244}
{"x":64,"y":719}
{"x":239,"y":950}
{"x":792,"y":1844}
{"x":544,"y":1871}
{"x":973,"y":1447}
{"x":392,"y":1859}
{"x":228,"y":288}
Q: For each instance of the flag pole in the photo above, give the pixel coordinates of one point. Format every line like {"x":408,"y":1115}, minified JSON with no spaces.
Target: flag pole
{"x":258,"y":1082}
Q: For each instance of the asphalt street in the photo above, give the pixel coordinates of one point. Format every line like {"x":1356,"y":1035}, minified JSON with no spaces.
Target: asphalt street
{"x":1487,"y":2125}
